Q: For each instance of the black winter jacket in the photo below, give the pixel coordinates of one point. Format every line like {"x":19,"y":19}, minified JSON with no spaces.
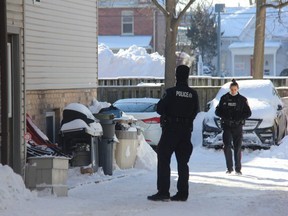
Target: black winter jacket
{"x":233,"y":108}
{"x":179,"y":102}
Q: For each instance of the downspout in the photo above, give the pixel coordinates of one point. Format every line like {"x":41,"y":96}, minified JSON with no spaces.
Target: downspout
{"x":154,"y":31}
{"x":5,"y":149}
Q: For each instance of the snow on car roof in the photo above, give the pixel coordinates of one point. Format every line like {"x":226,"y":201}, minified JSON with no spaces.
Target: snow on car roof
{"x":260,"y":89}
{"x":261,"y":98}
{"x":142,"y":100}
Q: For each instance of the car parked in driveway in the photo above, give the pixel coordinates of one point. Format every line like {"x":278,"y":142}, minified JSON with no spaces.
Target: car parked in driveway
{"x":144,"y":110}
{"x":266,"y":126}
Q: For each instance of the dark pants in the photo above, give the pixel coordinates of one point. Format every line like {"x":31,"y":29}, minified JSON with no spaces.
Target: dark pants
{"x":178,"y":141}
{"x":232,"y":134}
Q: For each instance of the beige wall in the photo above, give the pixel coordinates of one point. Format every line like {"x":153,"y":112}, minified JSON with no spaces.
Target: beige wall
{"x":38,"y":102}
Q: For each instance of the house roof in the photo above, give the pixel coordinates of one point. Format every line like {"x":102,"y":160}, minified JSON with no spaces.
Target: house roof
{"x":234,"y":21}
{"x":124,"y":42}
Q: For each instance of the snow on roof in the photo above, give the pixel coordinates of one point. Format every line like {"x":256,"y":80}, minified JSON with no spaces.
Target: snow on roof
{"x":134,"y":62}
{"x":235,"y":20}
{"x":124,"y":42}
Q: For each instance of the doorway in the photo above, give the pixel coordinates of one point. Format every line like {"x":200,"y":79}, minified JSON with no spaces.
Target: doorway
{"x":15,"y":105}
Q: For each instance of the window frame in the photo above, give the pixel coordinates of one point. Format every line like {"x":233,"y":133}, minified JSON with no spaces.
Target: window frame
{"x":127,"y":14}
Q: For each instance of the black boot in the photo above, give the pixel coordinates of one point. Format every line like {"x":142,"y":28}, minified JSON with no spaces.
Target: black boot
{"x":159,"y":197}
{"x":179,"y":197}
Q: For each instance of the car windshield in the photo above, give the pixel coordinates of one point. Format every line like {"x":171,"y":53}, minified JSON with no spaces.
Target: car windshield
{"x":136,"y":107}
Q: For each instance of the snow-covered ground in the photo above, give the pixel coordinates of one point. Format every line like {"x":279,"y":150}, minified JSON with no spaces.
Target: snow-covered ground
{"x":261,"y":190}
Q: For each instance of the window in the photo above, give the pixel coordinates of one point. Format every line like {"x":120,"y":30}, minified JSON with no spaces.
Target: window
{"x":127,"y":23}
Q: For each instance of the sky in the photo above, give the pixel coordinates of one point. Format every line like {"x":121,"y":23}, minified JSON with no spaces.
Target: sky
{"x":261,"y":190}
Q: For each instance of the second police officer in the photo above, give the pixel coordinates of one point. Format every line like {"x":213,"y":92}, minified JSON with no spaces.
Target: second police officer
{"x":233,"y":109}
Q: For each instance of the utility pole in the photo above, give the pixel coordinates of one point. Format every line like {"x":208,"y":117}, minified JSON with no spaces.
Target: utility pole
{"x":5,"y":149}
{"x":218,"y":9}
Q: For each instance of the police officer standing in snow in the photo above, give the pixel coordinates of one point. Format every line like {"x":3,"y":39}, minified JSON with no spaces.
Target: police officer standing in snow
{"x":178,"y":108}
{"x":233,"y":109}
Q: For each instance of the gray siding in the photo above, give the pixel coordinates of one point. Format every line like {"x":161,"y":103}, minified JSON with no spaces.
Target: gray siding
{"x":60,"y":44}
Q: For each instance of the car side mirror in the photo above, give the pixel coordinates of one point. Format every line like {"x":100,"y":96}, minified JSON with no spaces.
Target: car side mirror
{"x":280,"y":107}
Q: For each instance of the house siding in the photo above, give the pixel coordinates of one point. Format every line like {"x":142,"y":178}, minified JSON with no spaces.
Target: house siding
{"x":60,"y":57}
{"x":60,"y":44}
{"x":15,"y":25}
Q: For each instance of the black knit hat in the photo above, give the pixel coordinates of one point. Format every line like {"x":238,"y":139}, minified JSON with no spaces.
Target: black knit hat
{"x":182,"y":72}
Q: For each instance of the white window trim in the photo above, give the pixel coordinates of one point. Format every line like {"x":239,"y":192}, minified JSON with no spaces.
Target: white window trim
{"x":127,"y":13}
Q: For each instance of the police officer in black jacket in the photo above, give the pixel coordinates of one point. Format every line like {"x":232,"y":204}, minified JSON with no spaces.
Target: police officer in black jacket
{"x":233,"y":109}
{"x":178,"y":108}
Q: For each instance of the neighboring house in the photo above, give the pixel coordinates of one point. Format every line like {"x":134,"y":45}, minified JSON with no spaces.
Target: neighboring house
{"x":124,"y":23}
{"x":60,"y":58}
{"x":12,"y":138}
{"x":238,"y":27}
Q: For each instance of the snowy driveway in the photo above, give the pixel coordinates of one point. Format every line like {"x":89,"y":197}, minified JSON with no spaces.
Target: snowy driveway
{"x":261,"y":190}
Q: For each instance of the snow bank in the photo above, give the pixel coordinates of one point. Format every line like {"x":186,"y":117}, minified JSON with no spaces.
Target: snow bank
{"x":146,"y":156}
{"x":133,"y":62}
{"x":280,"y":152}
{"x":12,"y":188}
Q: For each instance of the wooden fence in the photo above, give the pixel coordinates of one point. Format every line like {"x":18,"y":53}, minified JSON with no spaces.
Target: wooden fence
{"x":206,"y":93}
{"x":193,"y":81}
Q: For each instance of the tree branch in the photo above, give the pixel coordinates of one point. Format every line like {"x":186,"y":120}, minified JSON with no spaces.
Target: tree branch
{"x":181,"y":14}
{"x":278,"y":6}
{"x":159,"y":6}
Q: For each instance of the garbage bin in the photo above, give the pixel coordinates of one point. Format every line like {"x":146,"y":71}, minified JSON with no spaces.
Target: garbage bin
{"x":126,"y":149}
{"x":82,"y":146}
{"x":107,"y":142}
{"x":107,"y":123}
{"x":106,"y":156}
{"x":79,"y":135}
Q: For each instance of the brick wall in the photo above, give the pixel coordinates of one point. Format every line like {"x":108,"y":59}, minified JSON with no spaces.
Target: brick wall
{"x":39,"y":102}
{"x":110,"y":21}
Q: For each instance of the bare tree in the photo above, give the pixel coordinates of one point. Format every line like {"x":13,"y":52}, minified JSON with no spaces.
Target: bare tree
{"x":259,"y":41}
{"x":172,"y":18}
